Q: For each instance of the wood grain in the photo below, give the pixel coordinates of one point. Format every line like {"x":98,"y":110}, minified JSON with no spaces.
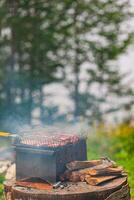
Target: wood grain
{"x":117,"y":189}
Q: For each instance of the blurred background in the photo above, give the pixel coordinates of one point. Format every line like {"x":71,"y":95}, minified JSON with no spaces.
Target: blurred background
{"x":70,"y":62}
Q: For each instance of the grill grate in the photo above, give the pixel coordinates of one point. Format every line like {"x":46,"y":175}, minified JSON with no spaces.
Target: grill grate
{"x":48,"y":141}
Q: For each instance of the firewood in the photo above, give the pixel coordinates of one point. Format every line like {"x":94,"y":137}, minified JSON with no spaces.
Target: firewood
{"x":103,"y":171}
{"x":102,"y":163}
{"x":98,"y":180}
{"x":65,"y":176}
{"x":76,"y":165}
{"x":73,"y":176}
{"x":96,"y":169}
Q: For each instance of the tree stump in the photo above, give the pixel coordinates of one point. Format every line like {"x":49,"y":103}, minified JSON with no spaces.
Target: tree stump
{"x":117,"y":189}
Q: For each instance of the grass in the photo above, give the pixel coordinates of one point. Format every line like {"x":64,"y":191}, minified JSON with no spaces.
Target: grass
{"x":1,"y":187}
{"x":4,"y":142}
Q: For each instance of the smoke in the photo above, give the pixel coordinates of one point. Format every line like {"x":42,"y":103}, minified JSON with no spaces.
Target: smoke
{"x":67,"y":129}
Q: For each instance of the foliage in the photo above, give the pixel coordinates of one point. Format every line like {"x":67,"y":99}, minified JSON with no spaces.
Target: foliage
{"x":116,"y":143}
{"x":96,"y":40}
{"x":1,"y":187}
{"x":31,"y":60}
{"x":124,"y":140}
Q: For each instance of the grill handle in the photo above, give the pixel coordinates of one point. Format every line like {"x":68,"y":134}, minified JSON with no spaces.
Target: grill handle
{"x":37,"y":151}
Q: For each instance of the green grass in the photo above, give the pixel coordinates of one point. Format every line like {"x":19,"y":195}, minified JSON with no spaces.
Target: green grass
{"x":1,"y":187}
{"x":4,"y":143}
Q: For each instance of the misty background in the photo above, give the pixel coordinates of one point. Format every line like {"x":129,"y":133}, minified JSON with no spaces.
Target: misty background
{"x":66,"y":61}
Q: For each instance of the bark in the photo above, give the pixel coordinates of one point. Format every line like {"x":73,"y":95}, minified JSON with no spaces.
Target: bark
{"x":41,"y":98}
{"x":99,"y":171}
{"x":115,"y":190}
{"x":76,"y":165}
{"x":100,"y":179}
{"x":76,"y":68}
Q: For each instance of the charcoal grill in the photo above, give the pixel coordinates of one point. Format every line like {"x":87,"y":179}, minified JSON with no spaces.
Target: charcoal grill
{"x":45,"y":156}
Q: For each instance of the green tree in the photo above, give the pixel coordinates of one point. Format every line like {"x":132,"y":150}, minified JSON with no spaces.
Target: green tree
{"x":96,"y":38}
{"x":43,"y":42}
{"x":31,"y":61}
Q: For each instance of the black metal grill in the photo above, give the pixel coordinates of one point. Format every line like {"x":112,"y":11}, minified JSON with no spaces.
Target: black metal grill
{"x":46,"y":156}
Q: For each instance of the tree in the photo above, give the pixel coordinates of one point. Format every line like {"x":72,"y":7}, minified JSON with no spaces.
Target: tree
{"x":40,"y":38}
{"x":96,"y":38}
{"x":32,"y":61}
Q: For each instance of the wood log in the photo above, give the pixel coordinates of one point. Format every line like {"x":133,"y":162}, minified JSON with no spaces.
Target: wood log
{"x":73,"y":176}
{"x":105,"y":167}
{"x":102,"y":171}
{"x":76,"y":165}
{"x":98,"y":180}
{"x":117,"y":189}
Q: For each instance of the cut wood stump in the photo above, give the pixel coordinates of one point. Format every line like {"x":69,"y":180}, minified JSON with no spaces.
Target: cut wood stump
{"x":116,"y":189}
